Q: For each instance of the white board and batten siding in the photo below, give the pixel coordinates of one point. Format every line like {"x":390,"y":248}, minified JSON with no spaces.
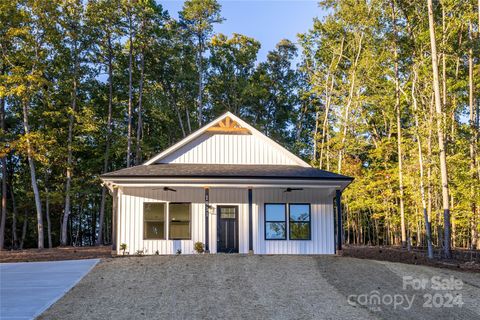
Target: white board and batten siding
{"x":229,"y":149}
{"x":206,"y":147}
{"x":322,"y":223}
{"x":130,"y":206}
{"x":130,"y":219}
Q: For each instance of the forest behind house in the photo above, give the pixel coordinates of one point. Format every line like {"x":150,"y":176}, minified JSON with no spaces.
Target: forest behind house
{"x":385,"y":91}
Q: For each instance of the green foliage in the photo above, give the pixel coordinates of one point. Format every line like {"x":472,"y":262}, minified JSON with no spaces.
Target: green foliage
{"x":329,"y":98}
{"x":199,"y":247}
{"x":366,"y":134}
{"x":123,"y":247}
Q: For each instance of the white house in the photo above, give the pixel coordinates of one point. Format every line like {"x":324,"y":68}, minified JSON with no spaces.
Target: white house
{"x":230,"y":187}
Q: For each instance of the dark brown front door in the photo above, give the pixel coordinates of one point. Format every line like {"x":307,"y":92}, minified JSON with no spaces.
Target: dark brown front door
{"x":227,"y":229}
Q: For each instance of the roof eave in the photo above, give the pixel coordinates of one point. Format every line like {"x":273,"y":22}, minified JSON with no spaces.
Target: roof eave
{"x":229,"y":182}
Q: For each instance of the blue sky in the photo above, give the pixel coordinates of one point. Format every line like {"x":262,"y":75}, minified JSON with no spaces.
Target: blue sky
{"x":267,"y":21}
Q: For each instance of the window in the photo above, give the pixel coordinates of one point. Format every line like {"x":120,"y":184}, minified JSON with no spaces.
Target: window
{"x":275,"y":221}
{"x":154,"y":220}
{"x":179,"y":219}
{"x":227,"y":212}
{"x":299,"y":218}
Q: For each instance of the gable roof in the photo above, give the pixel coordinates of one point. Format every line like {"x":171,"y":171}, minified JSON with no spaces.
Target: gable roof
{"x":218,"y":122}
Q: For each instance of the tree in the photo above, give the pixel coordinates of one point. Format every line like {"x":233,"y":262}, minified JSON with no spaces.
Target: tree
{"x":399,"y":126}
{"x":273,"y":101}
{"x":104,"y":19}
{"x":72,"y":12}
{"x":29,"y":27}
{"x":198,"y":17}
{"x":232,"y":63}
{"x":440,"y":134}
{"x":4,"y":175}
{"x":129,"y":7}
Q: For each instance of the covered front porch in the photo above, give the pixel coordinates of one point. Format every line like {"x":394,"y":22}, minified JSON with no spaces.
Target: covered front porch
{"x":285,"y":217}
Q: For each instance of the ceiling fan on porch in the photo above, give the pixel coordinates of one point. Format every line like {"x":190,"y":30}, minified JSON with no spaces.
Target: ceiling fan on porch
{"x":165,"y":189}
{"x":292,"y":189}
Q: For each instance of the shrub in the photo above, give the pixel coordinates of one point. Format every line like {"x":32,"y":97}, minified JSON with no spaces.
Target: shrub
{"x":199,"y":247}
{"x":123,"y":247}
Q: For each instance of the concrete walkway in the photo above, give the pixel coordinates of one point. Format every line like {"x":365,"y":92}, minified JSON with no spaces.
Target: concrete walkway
{"x":27,"y":289}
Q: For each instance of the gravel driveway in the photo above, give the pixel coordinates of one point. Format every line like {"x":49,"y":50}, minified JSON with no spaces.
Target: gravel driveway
{"x":266,"y":287}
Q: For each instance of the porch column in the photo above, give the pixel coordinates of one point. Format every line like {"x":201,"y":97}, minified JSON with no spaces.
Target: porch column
{"x":207,"y":249}
{"x":339,"y":219}
{"x":114,"y":218}
{"x":250,"y":221}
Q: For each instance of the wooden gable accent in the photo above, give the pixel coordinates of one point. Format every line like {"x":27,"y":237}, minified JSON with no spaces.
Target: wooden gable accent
{"x":228,"y":125}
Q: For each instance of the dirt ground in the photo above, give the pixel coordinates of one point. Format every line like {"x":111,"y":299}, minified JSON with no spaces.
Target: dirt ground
{"x":264,"y":287}
{"x":397,"y":254}
{"x":55,"y":254}
{"x":393,"y":254}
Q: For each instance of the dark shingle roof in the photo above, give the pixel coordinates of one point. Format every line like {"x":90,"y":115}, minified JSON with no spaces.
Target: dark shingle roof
{"x":234,"y":171}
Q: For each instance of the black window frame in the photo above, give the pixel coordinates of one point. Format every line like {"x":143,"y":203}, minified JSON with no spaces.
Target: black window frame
{"x":265,"y":221}
{"x":165,"y":221}
{"x":294,"y":222}
{"x":189,"y":221}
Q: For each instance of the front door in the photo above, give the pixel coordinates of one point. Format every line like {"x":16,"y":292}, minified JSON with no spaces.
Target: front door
{"x":227,"y":229}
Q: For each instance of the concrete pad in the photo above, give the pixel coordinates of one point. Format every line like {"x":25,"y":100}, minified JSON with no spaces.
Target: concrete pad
{"x":29,"y":288}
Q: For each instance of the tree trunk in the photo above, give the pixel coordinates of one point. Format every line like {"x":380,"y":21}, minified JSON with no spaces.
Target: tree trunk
{"x":138,"y":151}
{"x":107,"y":142}
{"x":200,"y":81}
{"x":33,"y":175}
{"x":47,"y":213}
{"x":68,"y":183}
{"x":349,"y":103}
{"x":4,"y":179}
{"x":399,"y":128}
{"x":473,"y":141}
{"x":187,"y":114}
{"x":315,"y":136}
{"x":14,"y":217}
{"x":441,"y":143}
{"x":130,"y":94}
{"x":179,"y":117}
{"x":426,"y":216}
{"x":477,"y":134}
{"x":328,"y":100}
{"x":24,"y":229}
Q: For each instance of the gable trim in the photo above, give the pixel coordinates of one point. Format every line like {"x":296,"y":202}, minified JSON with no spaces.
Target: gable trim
{"x":213,"y":123}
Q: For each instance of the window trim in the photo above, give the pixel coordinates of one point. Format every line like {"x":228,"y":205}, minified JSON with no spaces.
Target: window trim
{"x":189,"y":221}
{"x":292,"y":222}
{"x":265,"y":221}
{"x":165,"y":215}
